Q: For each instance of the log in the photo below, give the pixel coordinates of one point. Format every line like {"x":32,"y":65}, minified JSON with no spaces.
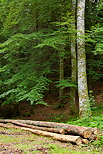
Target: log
{"x":71,"y":129}
{"x":85,"y":132}
{"x":55,"y":130}
{"x":85,"y":141}
{"x":9,"y":126}
{"x":94,"y":137}
{"x":95,"y":133}
{"x":66,"y":138}
{"x":95,"y":130}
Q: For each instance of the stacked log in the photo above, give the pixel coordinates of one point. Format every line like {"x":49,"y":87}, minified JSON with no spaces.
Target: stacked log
{"x":58,"y":131}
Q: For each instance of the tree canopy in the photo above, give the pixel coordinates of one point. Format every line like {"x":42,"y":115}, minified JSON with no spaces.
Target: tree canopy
{"x":34,"y":36}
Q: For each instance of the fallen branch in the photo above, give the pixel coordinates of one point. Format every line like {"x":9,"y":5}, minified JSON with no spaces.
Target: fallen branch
{"x":66,"y":138}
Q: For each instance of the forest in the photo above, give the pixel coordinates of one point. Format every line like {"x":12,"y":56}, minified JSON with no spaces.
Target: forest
{"x":51,"y":61}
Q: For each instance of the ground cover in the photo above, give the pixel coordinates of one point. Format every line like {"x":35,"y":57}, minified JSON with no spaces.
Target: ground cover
{"x":18,"y":142}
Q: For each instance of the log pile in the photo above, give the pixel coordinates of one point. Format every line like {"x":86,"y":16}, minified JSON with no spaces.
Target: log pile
{"x":58,"y":131}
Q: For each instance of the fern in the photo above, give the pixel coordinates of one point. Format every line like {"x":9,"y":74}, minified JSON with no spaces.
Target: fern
{"x":66,"y":83}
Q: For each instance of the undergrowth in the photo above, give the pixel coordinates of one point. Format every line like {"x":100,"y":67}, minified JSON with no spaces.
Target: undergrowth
{"x":96,"y":120}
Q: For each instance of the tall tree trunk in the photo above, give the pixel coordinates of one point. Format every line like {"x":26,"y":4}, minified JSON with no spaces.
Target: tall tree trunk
{"x":61,"y":76}
{"x":61,"y":63}
{"x":84,"y":107}
{"x":73,"y":108}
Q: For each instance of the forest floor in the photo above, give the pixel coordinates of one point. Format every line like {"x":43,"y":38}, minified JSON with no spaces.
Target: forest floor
{"x":54,"y":112}
{"x":15,"y":141}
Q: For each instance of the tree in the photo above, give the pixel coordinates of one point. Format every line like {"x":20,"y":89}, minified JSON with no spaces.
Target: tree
{"x":38,"y":47}
{"x":84,"y":106}
{"x":73,"y":61}
{"x":95,"y":46}
{"x":27,"y":24}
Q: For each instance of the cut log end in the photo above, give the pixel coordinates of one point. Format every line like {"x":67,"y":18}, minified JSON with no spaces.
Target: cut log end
{"x":94,"y":137}
{"x":96,"y":131}
{"x":85,"y":141}
{"x":79,"y":141}
{"x":62,"y":131}
{"x":87,"y":133}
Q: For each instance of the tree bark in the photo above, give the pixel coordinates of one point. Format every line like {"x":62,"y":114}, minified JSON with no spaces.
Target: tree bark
{"x":61,"y":76}
{"x":54,"y":130}
{"x":96,"y":131}
{"x":73,"y":107}
{"x":84,"y":106}
{"x":66,"y":138}
{"x":70,"y":129}
{"x":86,"y":132}
{"x":94,"y":137}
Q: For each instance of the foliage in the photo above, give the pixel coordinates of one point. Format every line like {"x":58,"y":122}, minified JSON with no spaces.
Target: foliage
{"x":66,"y":83}
{"x":95,"y":47}
{"x":95,"y":121}
{"x":34,"y":35}
{"x":23,"y":66}
{"x":95,"y":67}
{"x":96,"y":38}
{"x":24,"y":82}
{"x":28,"y":34}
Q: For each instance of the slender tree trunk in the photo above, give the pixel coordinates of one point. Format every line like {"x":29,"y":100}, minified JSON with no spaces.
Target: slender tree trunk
{"x":73,"y":108}
{"x":84,"y":107}
{"x":61,"y":64}
{"x":61,"y":76}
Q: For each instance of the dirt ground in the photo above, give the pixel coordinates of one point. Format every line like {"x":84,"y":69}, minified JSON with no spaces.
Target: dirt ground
{"x":14,"y":141}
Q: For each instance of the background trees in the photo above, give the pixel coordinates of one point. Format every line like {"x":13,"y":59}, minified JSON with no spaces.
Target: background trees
{"x":35,"y":42}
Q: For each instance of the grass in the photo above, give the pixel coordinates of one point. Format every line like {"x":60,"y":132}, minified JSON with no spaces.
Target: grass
{"x":30,"y":143}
